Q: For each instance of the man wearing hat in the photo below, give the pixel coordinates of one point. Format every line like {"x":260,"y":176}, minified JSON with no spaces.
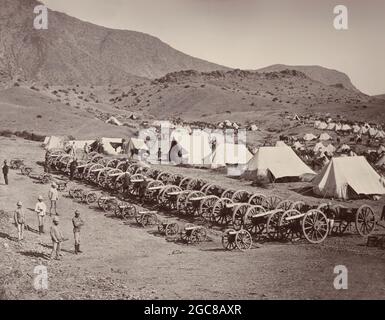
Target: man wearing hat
{"x":19,"y":219}
{"x":41,"y":210}
{"x":77,"y":223}
{"x":57,"y":239}
{"x":5,"y":171}
{"x":53,"y":196}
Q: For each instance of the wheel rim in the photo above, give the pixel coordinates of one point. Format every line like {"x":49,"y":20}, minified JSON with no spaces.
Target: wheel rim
{"x":315,"y":226}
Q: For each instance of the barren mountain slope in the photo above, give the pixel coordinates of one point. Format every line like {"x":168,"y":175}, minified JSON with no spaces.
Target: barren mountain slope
{"x":71,"y":51}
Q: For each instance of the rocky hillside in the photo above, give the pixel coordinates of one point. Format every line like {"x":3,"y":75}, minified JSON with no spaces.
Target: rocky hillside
{"x":317,"y":73}
{"x":72,"y":51}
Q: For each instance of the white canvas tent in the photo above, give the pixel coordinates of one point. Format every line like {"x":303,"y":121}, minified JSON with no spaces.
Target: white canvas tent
{"x":319,"y":147}
{"x":324,"y":136}
{"x":79,"y":144}
{"x":55,"y":142}
{"x":230,"y":154}
{"x":346,"y":127}
{"x":136,"y":147}
{"x":191,"y":149}
{"x":380,"y":134}
{"x":276,"y":163}
{"x":322,"y":125}
{"x":111,"y":146}
{"x":309,"y":137}
{"x":356,"y":128}
{"x":298,"y":145}
{"x":331,"y":126}
{"x":114,"y":121}
{"x":344,"y":148}
{"x":348,"y":177}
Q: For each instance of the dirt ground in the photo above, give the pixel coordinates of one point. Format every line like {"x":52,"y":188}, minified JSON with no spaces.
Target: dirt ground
{"x":123,"y":261}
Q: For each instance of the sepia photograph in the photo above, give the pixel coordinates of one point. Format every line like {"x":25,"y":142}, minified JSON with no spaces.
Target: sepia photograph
{"x":192,"y":150}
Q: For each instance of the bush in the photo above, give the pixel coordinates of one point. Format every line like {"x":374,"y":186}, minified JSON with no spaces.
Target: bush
{"x":39,"y":116}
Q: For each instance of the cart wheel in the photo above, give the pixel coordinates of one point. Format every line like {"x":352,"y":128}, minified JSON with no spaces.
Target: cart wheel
{"x":171,"y":229}
{"x":297,"y":205}
{"x":257,"y":199}
{"x":228,"y":239}
{"x":272,"y":225}
{"x":290,"y":229}
{"x":201,"y":234}
{"x":365,"y":220}
{"x":241,"y":196}
{"x":284,"y":205}
{"x":129,"y":211}
{"x":149,"y":219}
{"x":109,"y":205}
{"x":243,"y":240}
{"x":101,"y":200}
{"x":228,"y":193}
{"x":90,"y":198}
{"x":255,"y":226}
{"x":315,"y":226}
{"x":239,"y":215}
{"x":271,"y":202}
{"x":206,"y":206}
{"x":138,"y":217}
{"x":221,"y":214}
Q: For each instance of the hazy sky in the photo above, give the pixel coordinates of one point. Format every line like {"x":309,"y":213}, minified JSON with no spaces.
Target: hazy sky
{"x":250,"y":34}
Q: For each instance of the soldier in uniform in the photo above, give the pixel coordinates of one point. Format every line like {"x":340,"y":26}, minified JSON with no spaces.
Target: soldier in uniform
{"x":57,"y":238}
{"x":19,"y":219}
{"x":77,"y":223}
{"x":5,"y":172}
{"x":41,"y":210}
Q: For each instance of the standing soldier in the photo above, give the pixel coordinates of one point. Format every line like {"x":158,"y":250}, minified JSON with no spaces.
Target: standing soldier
{"x":19,"y":218}
{"x":73,"y":167}
{"x":77,"y":223}
{"x":41,"y":210}
{"x":5,"y":172}
{"x":53,"y":196}
{"x":160,"y":155}
{"x":57,"y":239}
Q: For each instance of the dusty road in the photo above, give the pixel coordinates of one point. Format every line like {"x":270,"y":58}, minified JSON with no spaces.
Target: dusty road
{"x":123,"y":261}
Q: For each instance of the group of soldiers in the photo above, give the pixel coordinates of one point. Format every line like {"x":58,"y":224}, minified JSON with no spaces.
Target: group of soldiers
{"x":56,"y":233}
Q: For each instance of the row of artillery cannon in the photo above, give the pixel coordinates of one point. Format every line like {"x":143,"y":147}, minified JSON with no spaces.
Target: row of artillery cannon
{"x":239,"y":212}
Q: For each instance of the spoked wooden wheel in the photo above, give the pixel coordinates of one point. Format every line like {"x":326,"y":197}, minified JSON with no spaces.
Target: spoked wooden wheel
{"x":221,"y":213}
{"x":239,"y":212}
{"x":291,"y":229}
{"x":191,"y":206}
{"x":228,"y":239}
{"x":228,"y":193}
{"x":90,"y":198}
{"x":164,"y":177}
{"x":166,"y":200}
{"x":255,"y":225}
{"x":184,"y":182}
{"x":272,"y":225}
{"x":365,"y":220}
{"x":243,"y":240}
{"x":148,"y":219}
{"x":241,"y":196}
{"x":206,"y":206}
{"x":150,"y":195}
{"x":257,"y":199}
{"x":128,"y":211}
{"x":171,"y":229}
{"x":214,"y":189}
{"x":181,"y":200}
{"x":284,"y":205}
{"x":271,"y":202}
{"x":109,"y":205}
{"x":315,"y":226}
{"x":297,"y":205}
